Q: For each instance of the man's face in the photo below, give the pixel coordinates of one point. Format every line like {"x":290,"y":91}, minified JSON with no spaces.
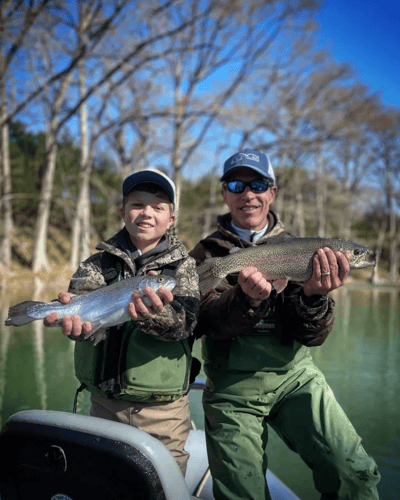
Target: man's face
{"x":147,"y":217}
{"x":249,"y":210}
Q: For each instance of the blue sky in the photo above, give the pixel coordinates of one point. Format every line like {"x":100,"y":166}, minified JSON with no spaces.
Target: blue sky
{"x":366,"y":33}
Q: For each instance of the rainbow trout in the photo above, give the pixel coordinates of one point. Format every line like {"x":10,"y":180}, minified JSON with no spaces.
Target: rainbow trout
{"x":104,"y":307}
{"x":280,"y":259}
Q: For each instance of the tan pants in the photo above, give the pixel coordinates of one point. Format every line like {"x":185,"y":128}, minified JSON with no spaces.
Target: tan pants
{"x":168,"y":422}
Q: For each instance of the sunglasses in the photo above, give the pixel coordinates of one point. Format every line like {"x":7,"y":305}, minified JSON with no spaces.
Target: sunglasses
{"x":258,"y":186}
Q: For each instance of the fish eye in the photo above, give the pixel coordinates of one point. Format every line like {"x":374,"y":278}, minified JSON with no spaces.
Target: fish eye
{"x":356,"y":251}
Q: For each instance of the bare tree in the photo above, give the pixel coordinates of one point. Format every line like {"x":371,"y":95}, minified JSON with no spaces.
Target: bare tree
{"x":314,"y":115}
{"x":16,"y":21}
{"x":219,"y":35}
{"x":137,"y":58}
{"x":55,"y":106}
{"x":387,"y":127}
{"x":39,"y":256}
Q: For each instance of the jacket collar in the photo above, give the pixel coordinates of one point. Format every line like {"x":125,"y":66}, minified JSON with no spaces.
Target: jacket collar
{"x":168,"y":250}
{"x":275,"y":227}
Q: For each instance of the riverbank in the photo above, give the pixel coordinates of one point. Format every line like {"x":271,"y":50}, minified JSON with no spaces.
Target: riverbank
{"x":59,"y":275}
{"x":18,"y":278}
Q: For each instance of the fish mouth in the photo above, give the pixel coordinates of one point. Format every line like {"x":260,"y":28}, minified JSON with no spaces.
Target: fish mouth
{"x":363,"y":260}
{"x":365,"y":263}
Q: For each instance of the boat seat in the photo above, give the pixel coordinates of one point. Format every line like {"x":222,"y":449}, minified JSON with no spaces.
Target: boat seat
{"x":58,"y":455}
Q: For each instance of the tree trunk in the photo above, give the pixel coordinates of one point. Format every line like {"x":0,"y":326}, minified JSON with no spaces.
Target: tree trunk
{"x":5,"y":196}
{"x":393,"y":237}
{"x":378,"y":251}
{"x":299,"y":222}
{"x":209,"y":212}
{"x":394,"y":258}
{"x":80,"y":241}
{"x":320,"y":187}
{"x":39,"y":257}
{"x":5,"y":178}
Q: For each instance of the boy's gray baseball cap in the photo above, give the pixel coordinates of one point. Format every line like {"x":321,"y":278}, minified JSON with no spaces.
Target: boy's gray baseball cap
{"x":153,"y":177}
{"x":252,"y":159}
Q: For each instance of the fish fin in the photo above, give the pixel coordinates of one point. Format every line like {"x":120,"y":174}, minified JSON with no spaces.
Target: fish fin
{"x":96,"y":335}
{"x":207,"y":280}
{"x":279,"y":284}
{"x":17,"y":315}
{"x":99,"y":335}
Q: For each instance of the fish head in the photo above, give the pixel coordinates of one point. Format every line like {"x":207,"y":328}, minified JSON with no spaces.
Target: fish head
{"x":359,"y":255}
{"x":155,"y":282}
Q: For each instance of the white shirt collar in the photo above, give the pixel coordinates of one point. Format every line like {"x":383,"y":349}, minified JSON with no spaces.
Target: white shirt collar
{"x":248,"y":234}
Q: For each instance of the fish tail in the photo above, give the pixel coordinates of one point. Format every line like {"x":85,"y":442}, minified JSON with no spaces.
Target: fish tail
{"x":207,"y":279}
{"x":17,"y":315}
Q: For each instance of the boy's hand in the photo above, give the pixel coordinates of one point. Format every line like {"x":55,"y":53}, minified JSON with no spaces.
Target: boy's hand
{"x":137,"y":309}
{"x":71,"y":325}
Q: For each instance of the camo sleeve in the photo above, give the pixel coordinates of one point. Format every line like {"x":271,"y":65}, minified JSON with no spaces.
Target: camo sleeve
{"x":88,"y":276}
{"x":178,"y":318}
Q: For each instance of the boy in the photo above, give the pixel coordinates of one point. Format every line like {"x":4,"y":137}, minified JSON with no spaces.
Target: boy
{"x":139,"y":374}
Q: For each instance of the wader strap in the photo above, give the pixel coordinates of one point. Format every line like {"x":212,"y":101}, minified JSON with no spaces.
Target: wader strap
{"x":80,"y":389}
{"x":109,"y":377}
{"x":111,"y":267}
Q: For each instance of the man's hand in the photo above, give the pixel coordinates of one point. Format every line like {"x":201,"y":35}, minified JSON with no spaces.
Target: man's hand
{"x":137,"y":309}
{"x":330,"y":270}
{"x":71,"y":325}
{"x":254,"y":285}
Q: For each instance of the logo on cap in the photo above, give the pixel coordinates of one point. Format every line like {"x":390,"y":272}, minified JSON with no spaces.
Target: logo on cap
{"x":243,"y":156}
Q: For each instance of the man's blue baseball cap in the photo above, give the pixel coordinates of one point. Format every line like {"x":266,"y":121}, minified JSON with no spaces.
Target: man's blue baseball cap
{"x":252,"y":159}
{"x":150,"y":176}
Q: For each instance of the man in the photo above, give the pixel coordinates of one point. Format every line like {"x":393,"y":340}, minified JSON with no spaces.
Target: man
{"x":139,"y":375}
{"x":257,"y":358}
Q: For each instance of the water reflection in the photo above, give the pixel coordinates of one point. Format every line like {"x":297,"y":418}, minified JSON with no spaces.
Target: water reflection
{"x":4,"y":346}
{"x":39,"y":356}
{"x":360,"y":359}
{"x":36,"y":363}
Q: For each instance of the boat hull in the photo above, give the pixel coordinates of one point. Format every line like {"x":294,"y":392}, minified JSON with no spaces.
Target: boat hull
{"x":64,"y":456}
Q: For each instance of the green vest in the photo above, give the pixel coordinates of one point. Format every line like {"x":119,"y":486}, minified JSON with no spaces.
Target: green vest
{"x":261,"y":349}
{"x":132,"y":365}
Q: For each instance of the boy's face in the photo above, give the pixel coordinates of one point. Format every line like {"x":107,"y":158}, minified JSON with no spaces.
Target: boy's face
{"x":147,"y":217}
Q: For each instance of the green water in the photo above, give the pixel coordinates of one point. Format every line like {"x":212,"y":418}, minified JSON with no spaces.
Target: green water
{"x":360,"y":359}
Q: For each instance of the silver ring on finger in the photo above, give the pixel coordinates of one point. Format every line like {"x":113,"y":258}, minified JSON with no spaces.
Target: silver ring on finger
{"x":326,"y":273}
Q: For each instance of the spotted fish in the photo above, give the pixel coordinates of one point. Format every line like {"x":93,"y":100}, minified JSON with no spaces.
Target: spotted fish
{"x":280,"y":259}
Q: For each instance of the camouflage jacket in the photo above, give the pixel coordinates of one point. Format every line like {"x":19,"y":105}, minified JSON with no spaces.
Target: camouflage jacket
{"x":178,"y":318}
{"x":225,"y":314}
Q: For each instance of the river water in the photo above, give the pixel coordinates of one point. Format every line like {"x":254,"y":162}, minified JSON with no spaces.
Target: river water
{"x":360,"y":359}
